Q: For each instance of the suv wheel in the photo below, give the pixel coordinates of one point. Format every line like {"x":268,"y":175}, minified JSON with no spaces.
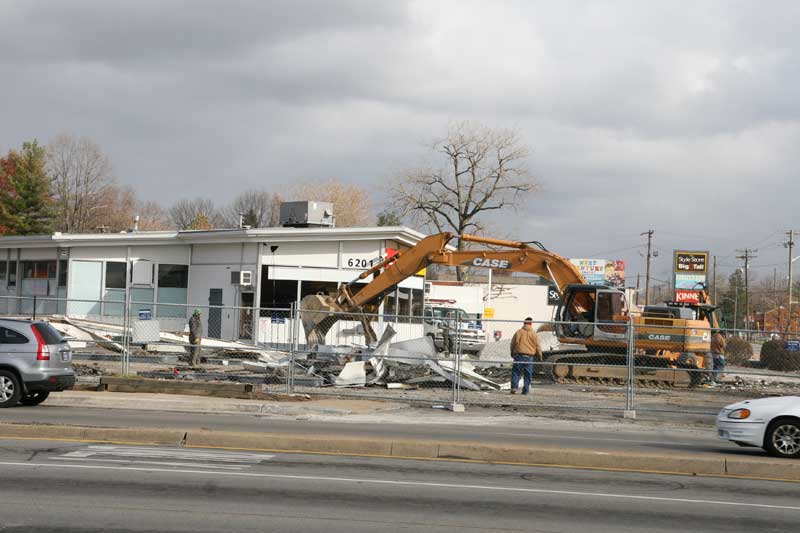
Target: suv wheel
{"x":34,"y":398}
{"x":9,"y":389}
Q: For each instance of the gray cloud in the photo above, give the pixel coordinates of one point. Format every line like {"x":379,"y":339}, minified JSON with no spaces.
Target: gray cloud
{"x":681,"y":117}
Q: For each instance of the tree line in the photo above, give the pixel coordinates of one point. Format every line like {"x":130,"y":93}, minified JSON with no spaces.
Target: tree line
{"x":68,"y":185}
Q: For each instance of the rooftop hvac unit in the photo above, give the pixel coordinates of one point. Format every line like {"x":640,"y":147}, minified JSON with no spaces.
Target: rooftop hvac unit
{"x":307,"y":215}
{"x":243,"y":278}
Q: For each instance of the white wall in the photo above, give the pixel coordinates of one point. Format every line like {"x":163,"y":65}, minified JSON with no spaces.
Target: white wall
{"x":211,"y":254}
{"x":512,"y":303}
{"x":98,"y":253}
{"x":313,"y":254}
{"x":467,"y":297}
{"x":37,"y":253}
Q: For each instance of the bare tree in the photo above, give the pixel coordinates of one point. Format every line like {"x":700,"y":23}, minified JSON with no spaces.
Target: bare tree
{"x":481,"y":170}
{"x":81,"y":177}
{"x":260,"y":207}
{"x":152,"y":217}
{"x":199,"y":213}
{"x":352,"y":206}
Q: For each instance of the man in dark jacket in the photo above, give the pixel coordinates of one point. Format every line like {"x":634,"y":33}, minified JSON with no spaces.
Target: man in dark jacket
{"x":195,"y":337}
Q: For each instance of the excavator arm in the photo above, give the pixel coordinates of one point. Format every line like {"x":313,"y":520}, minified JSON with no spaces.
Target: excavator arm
{"x":320,"y":312}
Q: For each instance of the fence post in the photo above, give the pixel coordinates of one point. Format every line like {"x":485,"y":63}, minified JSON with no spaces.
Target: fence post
{"x":292,"y":332}
{"x":455,"y":404}
{"x":631,"y":374}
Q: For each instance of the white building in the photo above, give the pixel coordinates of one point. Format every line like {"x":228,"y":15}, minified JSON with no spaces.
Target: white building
{"x":169,"y":273}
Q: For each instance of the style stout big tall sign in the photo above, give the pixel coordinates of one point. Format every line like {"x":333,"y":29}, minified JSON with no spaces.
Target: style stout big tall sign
{"x":690,"y":270}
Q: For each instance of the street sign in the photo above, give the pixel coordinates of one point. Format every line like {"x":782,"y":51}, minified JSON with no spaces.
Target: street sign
{"x":488,"y":312}
{"x":793,"y":346}
{"x":145,"y":314}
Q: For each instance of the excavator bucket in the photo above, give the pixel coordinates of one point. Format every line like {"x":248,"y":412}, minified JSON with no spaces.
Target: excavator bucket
{"x":320,"y":312}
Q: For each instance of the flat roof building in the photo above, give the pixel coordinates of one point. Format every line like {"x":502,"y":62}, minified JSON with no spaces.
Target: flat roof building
{"x":237,"y":276}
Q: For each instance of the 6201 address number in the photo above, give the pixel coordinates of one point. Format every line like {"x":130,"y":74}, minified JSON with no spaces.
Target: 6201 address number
{"x":354,"y":262}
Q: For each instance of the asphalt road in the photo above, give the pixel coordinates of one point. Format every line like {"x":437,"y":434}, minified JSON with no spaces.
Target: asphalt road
{"x":62,"y":486}
{"x":539,"y":431}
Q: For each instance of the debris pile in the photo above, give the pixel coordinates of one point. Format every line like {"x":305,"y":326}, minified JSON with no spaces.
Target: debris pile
{"x":402,"y":365}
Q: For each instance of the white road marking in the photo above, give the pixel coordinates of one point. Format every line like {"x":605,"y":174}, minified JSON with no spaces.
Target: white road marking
{"x":162,"y":463}
{"x":181,"y":454}
{"x":416,"y":484}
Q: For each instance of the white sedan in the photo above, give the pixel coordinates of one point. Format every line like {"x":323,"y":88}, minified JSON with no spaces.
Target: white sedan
{"x":769,"y":423}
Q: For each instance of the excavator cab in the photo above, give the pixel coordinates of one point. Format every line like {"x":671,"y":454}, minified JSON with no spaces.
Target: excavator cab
{"x":590,"y":313}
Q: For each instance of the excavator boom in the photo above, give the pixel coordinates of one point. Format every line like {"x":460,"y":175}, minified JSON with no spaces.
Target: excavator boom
{"x":320,"y":312}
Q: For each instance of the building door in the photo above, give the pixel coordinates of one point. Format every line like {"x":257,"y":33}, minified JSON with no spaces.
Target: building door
{"x":215,"y":313}
{"x":246,"y":316}
{"x":86,"y":288}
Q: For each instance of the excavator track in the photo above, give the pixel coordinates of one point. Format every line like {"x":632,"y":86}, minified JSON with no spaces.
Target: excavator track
{"x":605,"y":368}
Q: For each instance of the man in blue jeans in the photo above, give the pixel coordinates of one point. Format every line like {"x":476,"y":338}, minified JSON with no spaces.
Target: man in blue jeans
{"x":524,"y":347}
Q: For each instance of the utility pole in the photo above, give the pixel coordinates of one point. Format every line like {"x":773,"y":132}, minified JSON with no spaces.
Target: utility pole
{"x":649,"y":234}
{"x":746,"y":256}
{"x":638,"y":278}
{"x":790,"y":244}
{"x":714,"y":281}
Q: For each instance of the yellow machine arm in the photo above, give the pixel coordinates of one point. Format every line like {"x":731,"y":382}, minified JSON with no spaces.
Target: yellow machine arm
{"x":320,"y":312}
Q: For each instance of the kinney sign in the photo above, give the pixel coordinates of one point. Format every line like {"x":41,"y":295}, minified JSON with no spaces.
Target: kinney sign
{"x":602,"y":272}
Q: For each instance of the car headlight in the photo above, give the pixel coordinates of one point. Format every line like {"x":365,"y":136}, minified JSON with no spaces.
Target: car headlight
{"x":739,"y":414}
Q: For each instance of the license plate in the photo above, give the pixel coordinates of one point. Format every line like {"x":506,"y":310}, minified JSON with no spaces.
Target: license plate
{"x":65,"y":356}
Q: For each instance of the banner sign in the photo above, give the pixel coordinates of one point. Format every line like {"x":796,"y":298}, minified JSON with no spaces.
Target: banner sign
{"x":691,"y":262}
{"x":689,"y":282}
{"x":684,"y":296}
{"x":602,"y":272}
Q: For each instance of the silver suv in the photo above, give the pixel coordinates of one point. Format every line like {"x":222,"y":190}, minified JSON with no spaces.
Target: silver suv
{"x":34,"y":361}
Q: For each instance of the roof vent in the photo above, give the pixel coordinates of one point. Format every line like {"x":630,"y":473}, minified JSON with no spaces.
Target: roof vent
{"x":307,"y":214}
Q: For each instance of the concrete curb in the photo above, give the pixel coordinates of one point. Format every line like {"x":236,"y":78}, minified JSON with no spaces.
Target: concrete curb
{"x":753,"y":467}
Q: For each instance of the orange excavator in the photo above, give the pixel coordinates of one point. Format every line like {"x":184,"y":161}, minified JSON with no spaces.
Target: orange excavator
{"x":668,"y":344}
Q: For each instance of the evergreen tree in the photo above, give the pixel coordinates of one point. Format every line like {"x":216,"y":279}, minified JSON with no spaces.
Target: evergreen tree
{"x":26,"y":205}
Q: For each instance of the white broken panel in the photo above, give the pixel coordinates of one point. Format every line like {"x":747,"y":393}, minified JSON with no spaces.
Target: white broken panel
{"x":413,"y":351}
{"x":379,"y":370}
{"x":353,"y":374}
{"x":468,"y":370}
{"x":449,"y":375}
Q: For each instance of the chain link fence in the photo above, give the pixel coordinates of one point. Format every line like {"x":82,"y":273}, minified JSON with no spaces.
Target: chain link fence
{"x":623,"y":365}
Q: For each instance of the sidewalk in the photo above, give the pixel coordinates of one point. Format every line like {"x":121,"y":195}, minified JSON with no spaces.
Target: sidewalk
{"x":357,"y":410}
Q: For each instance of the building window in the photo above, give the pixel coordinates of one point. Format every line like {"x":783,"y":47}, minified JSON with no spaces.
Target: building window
{"x":115,"y":275}
{"x":318,"y":287}
{"x":63,"y":266}
{"x":38,"y":270}
{"x":417,"y":302}
{"x":12,"y":274}
{"x":173,"y":281}
{"x":173,"y":276}
{"x":3,"y":266}
{"x":404,"y":304}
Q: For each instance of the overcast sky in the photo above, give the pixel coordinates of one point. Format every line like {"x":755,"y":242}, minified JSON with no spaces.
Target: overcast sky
{"x":683,"y":117}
